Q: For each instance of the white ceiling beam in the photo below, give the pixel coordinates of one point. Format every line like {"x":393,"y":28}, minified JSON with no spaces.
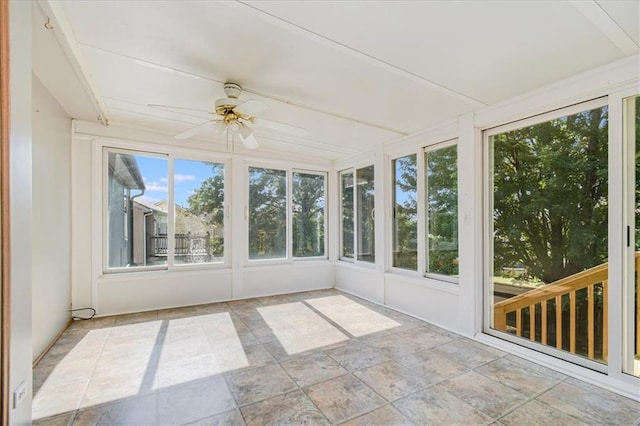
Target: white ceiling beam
{"x":377,"y":62}
{"x":62,"y":30}
{"x":591,"y":10}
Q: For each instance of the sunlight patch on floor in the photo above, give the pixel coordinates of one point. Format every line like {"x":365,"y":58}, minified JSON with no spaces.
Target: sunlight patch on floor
{"x":353,"y":317}
{"x":298,"y":328}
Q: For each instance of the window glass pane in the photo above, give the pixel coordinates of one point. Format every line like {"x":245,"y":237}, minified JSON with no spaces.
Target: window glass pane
{"x":405,"y":213}
{"x":267,"y":213}
{"x":308,"y":215}
{"x":366,"y":214}
{"x":346,"y":187}
{"x":136,"y":210}
{"x":550,"y":232}
{"x":199,"y":211}
{"x":442,"y":210}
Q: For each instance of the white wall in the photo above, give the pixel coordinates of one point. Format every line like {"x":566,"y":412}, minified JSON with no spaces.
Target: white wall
{"x":126,"y":292}
{"x":20,"y":208}
{"x":51,"y":218}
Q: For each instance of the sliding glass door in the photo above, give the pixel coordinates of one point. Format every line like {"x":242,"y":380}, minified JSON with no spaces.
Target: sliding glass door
{"x":547,"y":233}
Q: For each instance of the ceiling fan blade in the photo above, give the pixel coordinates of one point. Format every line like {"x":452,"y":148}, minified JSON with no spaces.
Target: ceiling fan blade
{"x":250,"y":108}
{"x":193,"y":130}
{"x":280,"y":127}
{"x":173,"y":107}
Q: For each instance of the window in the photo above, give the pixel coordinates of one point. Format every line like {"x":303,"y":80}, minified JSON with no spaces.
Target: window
{"x":308,"y":214}
{"x":405,"y":213}
{"x":136,"y":183}
{"x":138,"y":230}
{"x":267,"y":213}
{"x":346,"y":191}
{"x":199,"y":211}
{"x":365,"y":218}
{"x":441,"y":171}
{"x":360,"y":203}
{"x":269,"y":222}
{"x":549,"y":231}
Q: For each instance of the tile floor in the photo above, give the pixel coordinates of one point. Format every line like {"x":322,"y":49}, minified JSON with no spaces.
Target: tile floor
{"x":320,"y":357}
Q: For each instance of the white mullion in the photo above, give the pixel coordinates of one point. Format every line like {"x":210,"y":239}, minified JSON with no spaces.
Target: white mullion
{"x":170,"y":214}
{"x":289,"y":218}
{"x":421,"y":200}
{"x":356,"y":225}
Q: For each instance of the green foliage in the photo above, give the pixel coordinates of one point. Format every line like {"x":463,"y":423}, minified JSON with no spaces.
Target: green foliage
{"x":550,"y":196}
{"x":308,"y":215}
{"x":267,"y":213}
{"x":442,"y":210}
{"x":405,"y":232}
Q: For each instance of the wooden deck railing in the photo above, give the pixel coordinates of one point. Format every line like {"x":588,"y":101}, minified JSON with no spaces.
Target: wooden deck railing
{"x":594,"y":280}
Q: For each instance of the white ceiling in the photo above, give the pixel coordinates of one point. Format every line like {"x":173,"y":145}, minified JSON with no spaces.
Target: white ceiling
{"x":354,"y":74}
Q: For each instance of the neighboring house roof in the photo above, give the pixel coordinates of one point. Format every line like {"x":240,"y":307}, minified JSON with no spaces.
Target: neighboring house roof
{"x":124,"y":168}
{"x":160,"y":207}
{"x":185,"y":222}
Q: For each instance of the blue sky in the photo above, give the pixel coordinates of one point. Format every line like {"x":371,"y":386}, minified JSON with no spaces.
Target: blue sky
{"x":188,"y":176}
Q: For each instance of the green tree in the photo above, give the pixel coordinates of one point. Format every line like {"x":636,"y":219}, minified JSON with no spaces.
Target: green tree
{"x":550,"y":196}
{"x":406,"y":213}
{"x":442,"y":204}
{"x":308,"y":214}
{"x":267,"y":213}
{"x":207,"y":202}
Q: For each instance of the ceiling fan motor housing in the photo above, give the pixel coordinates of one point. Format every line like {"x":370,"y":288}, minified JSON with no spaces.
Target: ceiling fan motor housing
{"x":232,"y":90}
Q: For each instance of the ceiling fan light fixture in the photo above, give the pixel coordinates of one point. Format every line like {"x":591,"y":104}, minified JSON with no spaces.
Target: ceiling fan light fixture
{"x":249,"y":141}
{"x":234,"y":126}
{"x":219,"y":127}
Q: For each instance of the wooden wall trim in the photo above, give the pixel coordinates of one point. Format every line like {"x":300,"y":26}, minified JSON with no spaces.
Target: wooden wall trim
{"x":5,"y":257}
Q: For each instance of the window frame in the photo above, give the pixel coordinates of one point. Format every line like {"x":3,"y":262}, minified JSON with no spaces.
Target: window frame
{"x":425,"y":255}
{"x":103,"y":150}
{"x":356,"y":226}
{"x":423,"y":246}
{"x":487,"y":229}
{"x":325,"y":188}
{"x":289,"y":170}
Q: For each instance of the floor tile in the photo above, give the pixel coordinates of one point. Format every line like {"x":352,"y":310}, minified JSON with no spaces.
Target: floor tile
{"x":533,"y":412}
{"x":488,"y":396}
{"x":140,"y":317}
{"x":600,"y":407}
{"x":393,"y":345}
{"x":352,"y":316}
{"x":391,"y":380}
{"x":535,"y":367}
{"x":190,"y":401}
{"x":384,"y":416}
{"x":355,"y":355}
{"x":314,"y":368}
{"x":117,"y":386}
{"x":60,"y":420}
{"x":92,"y":324}
{"x":432,"y":367}
{"x":186,"y":370}
{"x":435,"y":407}
{"x":425,"y":337}
{"x":343,"y":398}
{"x":56,"y":398}
{"x":527,"y":382}
{"x":228,"y":418}
{"x":290,"y":409}
{"x":465,"y":353}
{"x":131,"y":412}
{"x":259,"y":383}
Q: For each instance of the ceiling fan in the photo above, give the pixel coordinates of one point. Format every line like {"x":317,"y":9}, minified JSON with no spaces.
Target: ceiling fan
{"x":236,"y":118}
